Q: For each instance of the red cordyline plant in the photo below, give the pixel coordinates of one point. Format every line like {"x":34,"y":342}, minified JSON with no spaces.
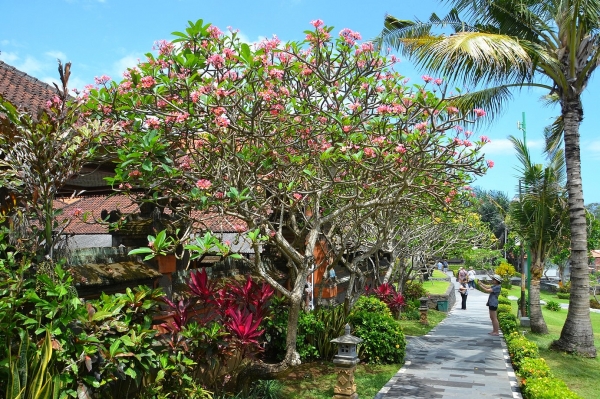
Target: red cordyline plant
{"x":218,"y":326}
{"x":388,"y":294}
{"x":208,"y":303}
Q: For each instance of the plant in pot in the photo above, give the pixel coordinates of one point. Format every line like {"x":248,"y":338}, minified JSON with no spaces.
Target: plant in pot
{"x":161,"y":247}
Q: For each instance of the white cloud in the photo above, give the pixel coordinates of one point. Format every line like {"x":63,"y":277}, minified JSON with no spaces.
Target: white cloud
{"x":498,"y":146}
{"x":591,"y":148}
{"x":50,"y":80}
{"x":31,"y":66}
{"x":57,"y":55}
{"x":505,"y":147}
{"x":120,"y":66}
{"x":9,"y":58}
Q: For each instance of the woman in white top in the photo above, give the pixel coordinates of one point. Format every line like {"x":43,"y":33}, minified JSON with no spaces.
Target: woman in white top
{"x":471,"y":276}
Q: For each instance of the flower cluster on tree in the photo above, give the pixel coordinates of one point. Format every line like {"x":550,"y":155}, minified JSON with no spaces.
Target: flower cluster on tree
{"x":298,"y":140}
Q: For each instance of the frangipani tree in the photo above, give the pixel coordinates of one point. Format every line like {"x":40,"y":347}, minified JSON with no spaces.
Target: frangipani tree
{"x":291,"y":138}
{"x":421,"y":238}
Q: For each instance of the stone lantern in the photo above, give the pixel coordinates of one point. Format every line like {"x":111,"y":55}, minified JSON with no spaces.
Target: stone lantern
{"x":423,"y":309}
{"x":345,"y":362}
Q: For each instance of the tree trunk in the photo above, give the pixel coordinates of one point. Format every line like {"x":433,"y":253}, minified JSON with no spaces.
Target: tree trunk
{"x":258,"y":370}
{"x":577,"y":335}
{"x":538,"y":324}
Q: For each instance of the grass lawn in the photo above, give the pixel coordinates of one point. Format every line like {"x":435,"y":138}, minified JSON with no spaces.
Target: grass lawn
{"x":581,"y":375}
{"x":436,"y":287}
{"x":415,"y":328}
{"x":316,"y":380}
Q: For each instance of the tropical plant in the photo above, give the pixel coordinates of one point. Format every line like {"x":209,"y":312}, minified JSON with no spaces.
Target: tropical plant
{"x":506,"y":271}
{"x":502,"y":45}
{"x":387,"y":294}
{"x":383,"y":339}
{"x":539,"y":216}
{"x":39,"y":152}
{"x":218,"y":327}
{"x":30,"y":375}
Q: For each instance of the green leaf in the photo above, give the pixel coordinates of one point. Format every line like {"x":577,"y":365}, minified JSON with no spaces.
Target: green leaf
{"x":137,"y":251}
{"x":131,"y":372}
{"x":147,"y":165}
{"x":114,"y":348}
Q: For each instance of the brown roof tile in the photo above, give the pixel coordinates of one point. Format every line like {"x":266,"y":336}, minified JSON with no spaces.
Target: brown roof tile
{"x":93,"y":206}
{"x":23,"y":91}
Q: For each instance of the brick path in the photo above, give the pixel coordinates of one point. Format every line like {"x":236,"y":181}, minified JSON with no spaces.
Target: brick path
{"x":457,"y":359}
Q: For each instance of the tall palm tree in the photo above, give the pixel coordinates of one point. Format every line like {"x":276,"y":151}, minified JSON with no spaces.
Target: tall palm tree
{"x":503,"y":45}
{"x":539,"y":216}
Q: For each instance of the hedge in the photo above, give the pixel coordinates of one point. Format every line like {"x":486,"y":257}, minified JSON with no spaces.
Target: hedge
{"x":537,"y":381}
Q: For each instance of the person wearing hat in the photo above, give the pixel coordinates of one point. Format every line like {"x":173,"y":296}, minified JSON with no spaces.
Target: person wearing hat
{"x":492,"y":303}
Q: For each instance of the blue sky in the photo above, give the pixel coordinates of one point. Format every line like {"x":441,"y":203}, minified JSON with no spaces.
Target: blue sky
{"x":104,"y":37}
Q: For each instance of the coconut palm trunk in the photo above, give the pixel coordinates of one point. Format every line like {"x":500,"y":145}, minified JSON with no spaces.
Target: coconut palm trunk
{"x":577,"y":334}
{"x":505,"y":45}
{"x":538,"y":324}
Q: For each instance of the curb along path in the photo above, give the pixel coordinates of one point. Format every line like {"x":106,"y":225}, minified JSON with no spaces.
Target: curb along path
{"x":457,"y":359}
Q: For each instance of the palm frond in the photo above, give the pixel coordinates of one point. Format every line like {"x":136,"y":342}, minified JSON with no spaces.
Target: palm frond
{"x":553,"y":136}
{"x":470,"y":57}
{"x":492,"y":100}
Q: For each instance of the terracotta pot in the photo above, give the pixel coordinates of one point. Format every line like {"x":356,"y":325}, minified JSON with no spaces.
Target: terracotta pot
{"x":166,"y":263}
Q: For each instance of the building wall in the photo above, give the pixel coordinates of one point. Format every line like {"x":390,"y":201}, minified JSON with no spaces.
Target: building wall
{"x":89,"y":241}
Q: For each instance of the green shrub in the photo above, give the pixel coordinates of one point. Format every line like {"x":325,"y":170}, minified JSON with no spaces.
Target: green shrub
{"x":410,"y":311}
{"x":308,"y":328}
{"x":547,"y":388}
{"x":553,"y":306}
{"x":534,"y":368}
{"x":334,"y":320}
{"x":503,"y":300}
{"x":508,"y":323}
{"x":383,"y":339}
{"x":371,"y":304}
{"x":565,"y":288}
{"x":504,"y":309}
{"x":520,"y":348}
{"x":504,"y":292}
{"x":413,"y":289}
{"x":563,"y":295}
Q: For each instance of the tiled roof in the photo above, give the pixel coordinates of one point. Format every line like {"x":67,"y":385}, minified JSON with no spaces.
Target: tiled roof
{"x":22,"y":90}
{"x":93,"y":206}
{"x":217,"y":222}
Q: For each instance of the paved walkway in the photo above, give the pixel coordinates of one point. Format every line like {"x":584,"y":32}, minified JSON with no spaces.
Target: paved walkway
{"x":457,"y":359}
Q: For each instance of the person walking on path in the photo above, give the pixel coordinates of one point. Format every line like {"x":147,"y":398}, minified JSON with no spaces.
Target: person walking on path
{"x":471,"y":277}
{"x":492,"y":302}
{"x":464,"y":291}
{"x":462,"y":275}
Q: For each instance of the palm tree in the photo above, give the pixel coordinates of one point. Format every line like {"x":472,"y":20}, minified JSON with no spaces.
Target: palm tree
{"x":503,"y":45}
{"x":539,"y":216}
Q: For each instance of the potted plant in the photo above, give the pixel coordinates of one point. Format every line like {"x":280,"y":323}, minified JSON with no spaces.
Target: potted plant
{"x":161,"y":247}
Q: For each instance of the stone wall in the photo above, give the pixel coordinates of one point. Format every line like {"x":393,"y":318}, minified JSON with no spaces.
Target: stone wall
{"x":449,"y":296}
